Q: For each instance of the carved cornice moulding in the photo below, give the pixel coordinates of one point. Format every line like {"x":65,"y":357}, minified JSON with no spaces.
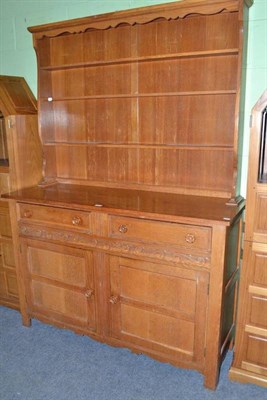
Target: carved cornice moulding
{"x":168,"y":254}
{"x":143,"y":15}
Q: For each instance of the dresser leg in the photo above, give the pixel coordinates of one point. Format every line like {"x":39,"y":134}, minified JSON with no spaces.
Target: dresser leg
{"x":211,"y":380}
{"x":26,"y":321}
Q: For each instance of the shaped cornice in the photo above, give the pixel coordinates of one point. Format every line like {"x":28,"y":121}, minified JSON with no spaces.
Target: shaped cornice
{"x":143,"y":15}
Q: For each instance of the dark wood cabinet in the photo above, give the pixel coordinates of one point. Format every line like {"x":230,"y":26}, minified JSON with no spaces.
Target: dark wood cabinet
{"x":133,"y":235}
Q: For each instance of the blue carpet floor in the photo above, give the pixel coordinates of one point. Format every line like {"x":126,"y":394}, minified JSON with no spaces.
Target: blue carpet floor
{"x":46,"y":363}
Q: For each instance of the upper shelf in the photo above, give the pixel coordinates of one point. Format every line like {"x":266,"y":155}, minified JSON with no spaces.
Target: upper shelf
{"x":160,"y":57}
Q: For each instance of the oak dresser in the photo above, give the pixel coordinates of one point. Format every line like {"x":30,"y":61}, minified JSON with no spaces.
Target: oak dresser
{"x":133,"y":235}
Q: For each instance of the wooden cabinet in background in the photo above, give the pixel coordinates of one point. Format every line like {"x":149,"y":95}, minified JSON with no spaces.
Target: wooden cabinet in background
{"x":133,"y":235}
{"x":20,"y":166}
{"x":250,"y":357}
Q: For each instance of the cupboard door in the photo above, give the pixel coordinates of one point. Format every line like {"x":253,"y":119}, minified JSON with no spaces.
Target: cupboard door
{"x":159,"y":308}
{"x":60,"y":283}
{"x":8,"y":279}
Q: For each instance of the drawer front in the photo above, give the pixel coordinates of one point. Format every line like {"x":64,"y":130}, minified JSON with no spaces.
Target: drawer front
{"x":73,"y":218}
{"x":166,"y":232}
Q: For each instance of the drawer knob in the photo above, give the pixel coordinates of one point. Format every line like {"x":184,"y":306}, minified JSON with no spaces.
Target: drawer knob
{"x":76,"y":221}
{"x":190,"y":238}
{"x":27,"y":214}
{"x":123,"y":229}
{"x":114,"y":299}
{"x":89,"y":293}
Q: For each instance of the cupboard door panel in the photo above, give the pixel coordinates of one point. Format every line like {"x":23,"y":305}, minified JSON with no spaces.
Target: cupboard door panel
{"x":157,"y":329}
{"x":166,"y":292}
{"x":8,"y":285}
{"x":158,"y":307}
{"x":3,"y":288}
{"x":60,"y":283}
{"x":12,"y":285}
{"x":8,"y":255}
{"x":65,"y":268}
{"x":66,"y":302}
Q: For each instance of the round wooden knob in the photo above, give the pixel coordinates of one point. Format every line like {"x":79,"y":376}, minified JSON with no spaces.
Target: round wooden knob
{"x":123,"y":229}
{"x":114,"y":299}
{"x":76,"y":221}
{"x":27,"y":214}
{"x":190,"y":238}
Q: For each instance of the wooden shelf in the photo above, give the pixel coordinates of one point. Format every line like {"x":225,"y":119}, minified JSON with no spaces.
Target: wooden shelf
{"x":142,"y":146}
{"x":161,"y":57}
{"x":139,"y":95}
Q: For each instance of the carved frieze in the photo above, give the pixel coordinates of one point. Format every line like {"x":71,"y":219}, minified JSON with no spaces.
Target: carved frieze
{"x":161,"y":252}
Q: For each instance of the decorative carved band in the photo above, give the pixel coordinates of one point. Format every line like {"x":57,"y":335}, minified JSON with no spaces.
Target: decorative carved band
{"x":169,"y":254}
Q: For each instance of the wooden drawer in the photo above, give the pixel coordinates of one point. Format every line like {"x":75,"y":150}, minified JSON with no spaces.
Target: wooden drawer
{"x":73,"y":218}
{"x":155,"y":231}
